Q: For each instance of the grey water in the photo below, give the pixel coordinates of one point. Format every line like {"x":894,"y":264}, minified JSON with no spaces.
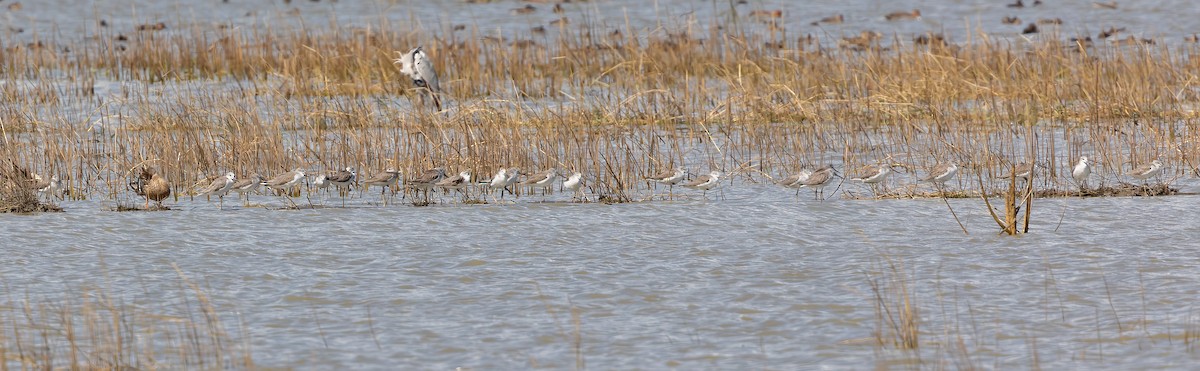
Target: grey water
{"x":959,"y":20}
{"x":750,"y":276}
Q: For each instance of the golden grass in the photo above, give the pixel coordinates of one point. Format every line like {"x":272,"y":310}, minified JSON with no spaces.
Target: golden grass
{"x":614,"y":104}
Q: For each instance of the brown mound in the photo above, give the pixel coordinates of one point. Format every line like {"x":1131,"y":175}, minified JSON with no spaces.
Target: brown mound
{"x":122,"y":208}
{"x":17,"y":192}
{"x":1120,"y":190}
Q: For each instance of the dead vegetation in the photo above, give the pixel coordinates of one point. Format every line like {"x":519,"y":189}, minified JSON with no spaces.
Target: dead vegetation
{"x":19,"y":190}
{"x":615,"y":106}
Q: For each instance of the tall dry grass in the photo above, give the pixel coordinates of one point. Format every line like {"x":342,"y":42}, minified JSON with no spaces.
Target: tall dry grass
{"x":614,"y":103}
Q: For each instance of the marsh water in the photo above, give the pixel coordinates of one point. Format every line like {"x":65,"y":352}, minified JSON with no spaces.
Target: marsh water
{"x":758,"y":278}
{"x":752,"y":276}
{"x":1165,"y":19}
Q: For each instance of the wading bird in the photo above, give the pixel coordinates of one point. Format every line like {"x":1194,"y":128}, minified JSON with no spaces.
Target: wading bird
{"x":219,"y":187}
{"x":151,"y":186}
{"x":417,"y":65}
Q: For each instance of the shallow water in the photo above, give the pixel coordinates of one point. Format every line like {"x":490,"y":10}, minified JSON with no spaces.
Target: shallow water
{"x":759,"y":278}
{"x":1166,"y":20}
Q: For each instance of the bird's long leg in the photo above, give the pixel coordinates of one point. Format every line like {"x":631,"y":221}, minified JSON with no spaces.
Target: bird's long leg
{"x":288,"y":193}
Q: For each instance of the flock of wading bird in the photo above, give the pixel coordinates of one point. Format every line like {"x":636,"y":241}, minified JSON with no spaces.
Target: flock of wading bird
{"x":508,"y":180}
{"x":416,"y":64}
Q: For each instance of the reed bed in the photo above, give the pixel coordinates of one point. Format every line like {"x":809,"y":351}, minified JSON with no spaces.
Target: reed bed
{"x":614,"y":103}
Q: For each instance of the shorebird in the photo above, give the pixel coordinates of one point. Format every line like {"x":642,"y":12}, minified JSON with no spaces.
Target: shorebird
{"x":543,"y":180}
{"x":386,"y":179}
{"x":1081,"y":171}
{"x":219,"y":187}
{"x":151,"y":186}
{"x":793,"y":181}
{"x":1147,"y":171}
{"x":833,"y":19}
{"x":873,"y":175}
{"x":574,"y":183}
{"x":417,"y":65}
{"x":818,"y":180}
{"x":498,"y":181}
{"x":903,"y":16}
{"x":941,"y":173}
{"x":427,"y":179}
{"x":245,"y":186}
{"x":512,"y":176}
{"x":321,"y":183}
{"x":49,"y":188}
{"x":527,"y":9}
{"x":705,"y":182}
{"x":670,"y":178}
{"x":284,"y":182}
{"x":456,"y":182}
{"x":1021,"y":171}
{"x":342,"y":180}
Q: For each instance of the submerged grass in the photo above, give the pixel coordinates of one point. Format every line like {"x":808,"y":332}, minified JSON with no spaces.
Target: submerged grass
{"x":94,"y":330}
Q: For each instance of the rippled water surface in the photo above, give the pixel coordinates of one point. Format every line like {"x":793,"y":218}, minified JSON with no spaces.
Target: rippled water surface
{"x":759,"y":278}
{"x":1166,"y":20}
{"x":752,"y":277}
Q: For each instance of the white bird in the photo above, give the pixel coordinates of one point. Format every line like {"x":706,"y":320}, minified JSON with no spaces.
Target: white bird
{"x":1081,"y":171}
{"x":512,"y":176}
{"x":574,"y":183}
{"x":219,"y":187}
{"x":245,"y":186}
{"x":1147,"y":171}
{"x":817,"y":181}
{"x":941,"y":173}
{"x":417,"y":65}
{"x":342,"y":179}
{"x":705,"y":182}
{"x":284,"y":182}
{"x":387,"y":179}
{"x":670,"y":178}
{"x":542,"y":180}
{"x":321,"y":183}
{"x":1022,"y":171}
{"x":426,"y":181}
{"x":874,"y":175}
{"x":794,"y":181}
{"x":456,"y":182}
{"x":49,"y":188}
{"x":499,"y":181}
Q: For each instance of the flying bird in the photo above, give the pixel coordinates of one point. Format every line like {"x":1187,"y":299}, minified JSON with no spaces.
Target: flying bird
{"x":417,"y":65}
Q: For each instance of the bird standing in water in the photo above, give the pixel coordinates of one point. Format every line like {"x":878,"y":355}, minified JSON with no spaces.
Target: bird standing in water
{"x":151,"y":186}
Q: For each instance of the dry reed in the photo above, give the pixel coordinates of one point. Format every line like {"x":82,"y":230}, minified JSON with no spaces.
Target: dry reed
{"x":199,"y":101}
